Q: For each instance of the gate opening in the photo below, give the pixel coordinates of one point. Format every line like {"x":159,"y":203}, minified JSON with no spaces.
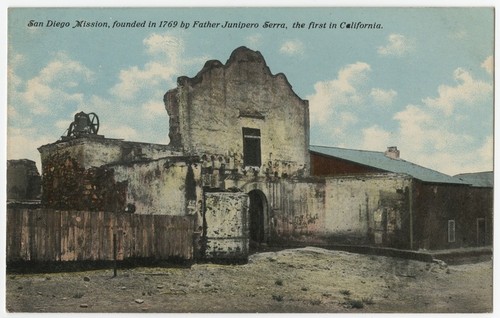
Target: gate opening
{"x":258,"y":219}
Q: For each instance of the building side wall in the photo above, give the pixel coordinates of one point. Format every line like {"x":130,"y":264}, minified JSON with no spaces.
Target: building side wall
{"x":371,"y":210}
{"x":161,"y":187}
{"x":436,"y":205}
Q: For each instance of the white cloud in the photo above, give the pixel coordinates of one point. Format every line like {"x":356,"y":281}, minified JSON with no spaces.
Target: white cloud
{"x":134,"y":80}
{"x":254,"y":40}
{"x":166,"y":62}
{"x":49,"y":90}
{"x":137,"y":84}
{"x":153,"y":108}
{"x":292,"y":47}
{"x":23,"y":144}
{"x":398,"y":45}
{"x":342,"y":91}
{"x":14,"y":80}
{"x":383,"y":97}
{"x":488,"y":64}
{"x":376,"y":138}
{"x":468,"y":91}
{"x":164,"y":45}
{"x":438,"y":141}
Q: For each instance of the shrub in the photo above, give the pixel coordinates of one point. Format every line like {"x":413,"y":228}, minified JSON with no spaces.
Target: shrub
{"x":368,"y":301}
{"x":278,"y":297}
{"x":316,"y":302}
{"x":354,"y":303}
{"x":78,"y":295}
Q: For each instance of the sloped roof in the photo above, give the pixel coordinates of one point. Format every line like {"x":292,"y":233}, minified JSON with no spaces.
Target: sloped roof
{"x":478,"y":179}
{"x":380,"y":161}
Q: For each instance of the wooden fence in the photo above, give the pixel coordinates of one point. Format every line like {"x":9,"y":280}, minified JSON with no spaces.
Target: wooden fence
{"x":48,"y":235}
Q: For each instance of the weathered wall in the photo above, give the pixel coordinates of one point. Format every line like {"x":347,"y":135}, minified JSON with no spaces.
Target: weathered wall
{"x":164,"y":186}
{"x":436,"y":204}
{"x":68,"y":185}
{"x":207,"y":113}
{"x":226,"y":226}
{"x":92,"y":151}
{"x":371,"y":209}
{"x":79,"y":174}
{"x":23,"y":180}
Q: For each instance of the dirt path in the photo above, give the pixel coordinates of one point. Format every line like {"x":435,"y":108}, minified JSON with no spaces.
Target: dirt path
{"x":299,"y":280}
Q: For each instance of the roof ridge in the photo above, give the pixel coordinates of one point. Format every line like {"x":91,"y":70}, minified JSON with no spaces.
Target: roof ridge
{"x":333,"y":147}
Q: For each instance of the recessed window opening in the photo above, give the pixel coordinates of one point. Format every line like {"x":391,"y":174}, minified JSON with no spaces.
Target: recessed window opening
{"x":451,"y":231}
{"x":251,"y":147}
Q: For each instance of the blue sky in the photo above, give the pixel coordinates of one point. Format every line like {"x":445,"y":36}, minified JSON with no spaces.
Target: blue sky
{"x":423,"y":82}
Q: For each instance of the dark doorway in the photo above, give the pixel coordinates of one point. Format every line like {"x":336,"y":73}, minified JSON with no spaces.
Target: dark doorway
{"x":258,"y":218}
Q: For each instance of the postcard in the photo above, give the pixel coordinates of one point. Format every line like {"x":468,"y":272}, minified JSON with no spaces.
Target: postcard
{"x":250,"y":159}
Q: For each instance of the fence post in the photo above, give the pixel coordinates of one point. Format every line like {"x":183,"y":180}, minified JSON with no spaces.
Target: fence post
{"x":114,"y":254}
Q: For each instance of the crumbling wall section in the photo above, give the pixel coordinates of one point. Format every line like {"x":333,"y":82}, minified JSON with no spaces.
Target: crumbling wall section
{"x":23,"y":180}
{"x":67,"y":185}
{"x":96,"y":151}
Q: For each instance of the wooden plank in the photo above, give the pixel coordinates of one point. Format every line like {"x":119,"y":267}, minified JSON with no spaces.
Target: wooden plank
{"x":39,"y":239}
{"x":56,"y":243}
{"x":99,"y":252}
{"x":107,"y":251}
{"x":79,"y":235}
{"x":25,"y":233}
{"x":12,"y":247}
{"x":32,"y":236}
{"x":126,"y":235}
{"x":93,"y":236}
{"x":14,"y":237}
{"x":64,"y":235}
{"x":119,"y":220}
{"x":87,"y":235}
{"x":46,"y":232}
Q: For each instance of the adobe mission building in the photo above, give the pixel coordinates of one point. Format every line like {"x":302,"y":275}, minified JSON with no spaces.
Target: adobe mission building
{"x":240,"y":163}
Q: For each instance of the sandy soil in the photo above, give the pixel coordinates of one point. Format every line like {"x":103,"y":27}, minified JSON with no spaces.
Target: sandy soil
{"x":299,"y":280}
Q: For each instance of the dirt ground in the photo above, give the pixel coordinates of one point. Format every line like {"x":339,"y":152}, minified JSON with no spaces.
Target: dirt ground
{"x":306,"y":280}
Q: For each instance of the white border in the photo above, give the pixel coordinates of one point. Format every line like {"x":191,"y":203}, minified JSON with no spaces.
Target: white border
{"x":4,"y":5}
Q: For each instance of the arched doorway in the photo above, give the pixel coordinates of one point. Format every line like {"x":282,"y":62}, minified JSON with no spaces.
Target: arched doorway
{"x":258,"y":218}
